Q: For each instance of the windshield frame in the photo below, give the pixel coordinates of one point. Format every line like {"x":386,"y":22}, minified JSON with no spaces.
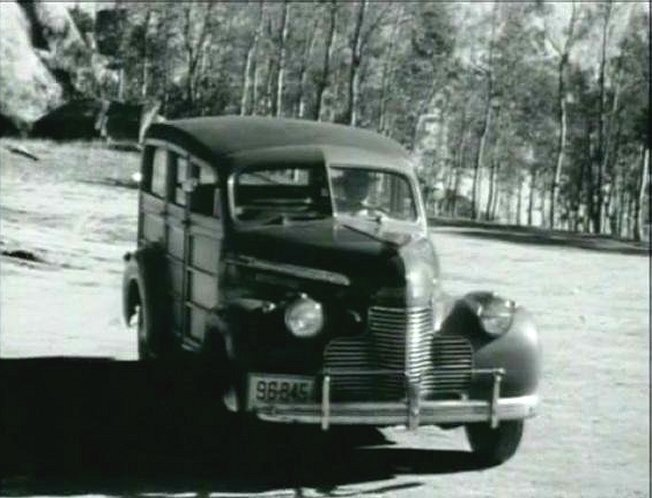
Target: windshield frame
{"x":411,"y":183}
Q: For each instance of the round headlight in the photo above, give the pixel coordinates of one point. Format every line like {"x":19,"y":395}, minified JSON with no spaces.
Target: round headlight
{"x":304,"y":317}
{"x":497,"y":317}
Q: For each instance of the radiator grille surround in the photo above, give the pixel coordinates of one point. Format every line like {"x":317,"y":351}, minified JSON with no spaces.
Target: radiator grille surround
{"x":400,"y":339}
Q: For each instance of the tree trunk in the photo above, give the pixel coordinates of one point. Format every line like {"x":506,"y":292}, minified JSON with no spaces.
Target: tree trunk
{"x":250,"y":66}
{"x":303,"y":69}
{"x":350,"y":114}
{"x":530,"y":206}
{"x":458,"y":168}
{"x":269,"y":84}
{"x":144,"y":86}
{"x":496,"y":192}
{"x":323,"y":79}
{"x":479,"y":158}
{"x":561,"y":140}
{"x":490,"y":198}
{"x":519,"y":201}
{"x":628,"y":216}
{"x":388,"y":71}
{"x":579,"y":197}
{"x":590,"y":194}
{"x":282,"y":55}
{"x":255,"y":94}
{"x":194,"y":51}
{"x":564,"y":54}
{"x":641,"y":204}
{"x":456,"y":190}
{"x":542,"y":208}
{"x":601,"y":146}
{"x":622,"y":208}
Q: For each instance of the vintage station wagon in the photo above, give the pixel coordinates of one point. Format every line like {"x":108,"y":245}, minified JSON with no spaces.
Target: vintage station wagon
{"x":296,"y":256}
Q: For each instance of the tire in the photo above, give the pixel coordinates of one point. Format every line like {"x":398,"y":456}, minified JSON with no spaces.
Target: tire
{"x":145,"y":351}
{"x":495,"y":446}
{"x":147,"y":305}
{"x":139,"y":321}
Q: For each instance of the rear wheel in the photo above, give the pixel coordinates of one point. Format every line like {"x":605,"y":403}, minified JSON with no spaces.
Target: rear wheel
{"x":495,"y":446}
{"x":137,"y":324}
{"x":144,"y":348}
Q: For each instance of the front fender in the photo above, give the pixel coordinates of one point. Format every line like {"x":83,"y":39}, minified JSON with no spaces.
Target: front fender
{"x":517,"y":351}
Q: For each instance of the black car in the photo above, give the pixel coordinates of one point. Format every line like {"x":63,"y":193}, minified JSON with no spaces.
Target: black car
{"x":296,"y":255}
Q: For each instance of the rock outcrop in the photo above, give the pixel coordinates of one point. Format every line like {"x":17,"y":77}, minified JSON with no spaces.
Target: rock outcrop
{"x":40,"y":50}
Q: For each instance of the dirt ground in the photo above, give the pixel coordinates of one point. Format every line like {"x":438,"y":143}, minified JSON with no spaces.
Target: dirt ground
{"x":67,"y":219}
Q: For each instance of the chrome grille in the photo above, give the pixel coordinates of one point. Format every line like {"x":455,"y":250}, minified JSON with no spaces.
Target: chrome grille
{"x":399,"y":339}
{"x":350,"y":353}
{"x":452,"y":359}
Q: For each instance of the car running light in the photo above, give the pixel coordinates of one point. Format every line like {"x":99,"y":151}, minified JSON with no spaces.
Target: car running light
{"x":304,"y":317}
{"x":496,"y":316}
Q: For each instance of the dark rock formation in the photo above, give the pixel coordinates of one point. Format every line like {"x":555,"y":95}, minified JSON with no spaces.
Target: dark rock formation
{"x":40,"y":53}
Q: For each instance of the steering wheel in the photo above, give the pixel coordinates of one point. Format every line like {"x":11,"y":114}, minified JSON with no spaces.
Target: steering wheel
{"x":376,"y":209}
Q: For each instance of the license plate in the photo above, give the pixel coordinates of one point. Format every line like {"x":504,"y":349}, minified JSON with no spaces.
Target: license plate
{"x":279,"y":389}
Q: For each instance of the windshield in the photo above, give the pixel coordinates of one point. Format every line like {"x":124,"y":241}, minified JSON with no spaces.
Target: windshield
{"x":276,"y":194}
{"x":370,"y":193}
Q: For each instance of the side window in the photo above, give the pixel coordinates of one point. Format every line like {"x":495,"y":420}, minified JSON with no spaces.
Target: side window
{"x":181,"y":174}
{"x":205,"y":198}
{"x":159,"y":173}
{"x":207,"y":175}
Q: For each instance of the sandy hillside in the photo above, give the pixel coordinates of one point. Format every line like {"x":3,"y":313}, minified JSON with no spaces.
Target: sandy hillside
{"x":591,"y":437}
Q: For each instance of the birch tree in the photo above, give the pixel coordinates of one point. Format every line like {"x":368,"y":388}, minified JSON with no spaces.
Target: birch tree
{"x":562,"y":49}
{"x":322,"y":80}
{"x":277,"y":104}
{"x":249,"y":70}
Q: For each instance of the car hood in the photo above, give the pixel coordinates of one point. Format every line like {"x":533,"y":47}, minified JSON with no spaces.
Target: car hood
{"x":366,"y":253}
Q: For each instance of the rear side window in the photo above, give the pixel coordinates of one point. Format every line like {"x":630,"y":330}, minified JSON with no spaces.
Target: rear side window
{"x":159,"y":173}
{"x":181,"y":176}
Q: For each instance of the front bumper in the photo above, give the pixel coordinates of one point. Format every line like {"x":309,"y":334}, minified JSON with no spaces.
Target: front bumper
{"x":412,"y":412}
{"x":385,"y":414}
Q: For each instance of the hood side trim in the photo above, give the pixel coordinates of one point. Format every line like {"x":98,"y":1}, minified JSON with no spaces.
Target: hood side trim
{"x":288,"y":269}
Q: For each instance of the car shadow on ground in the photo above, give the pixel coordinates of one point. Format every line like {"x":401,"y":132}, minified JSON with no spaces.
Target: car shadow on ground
{"x":72,"y":426}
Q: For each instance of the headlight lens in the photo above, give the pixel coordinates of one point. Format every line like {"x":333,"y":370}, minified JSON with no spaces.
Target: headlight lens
{"x":496,"y":316}
{"x":304,"y":317}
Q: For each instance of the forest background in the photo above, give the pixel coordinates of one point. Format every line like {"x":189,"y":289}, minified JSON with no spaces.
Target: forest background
{"x":526,"y":113}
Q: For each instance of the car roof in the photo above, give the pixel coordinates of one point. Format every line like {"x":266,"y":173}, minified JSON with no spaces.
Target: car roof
{"x":215,"y":139}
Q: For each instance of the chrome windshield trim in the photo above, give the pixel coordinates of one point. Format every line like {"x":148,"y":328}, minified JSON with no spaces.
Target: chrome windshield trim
{"x":289,"y":269}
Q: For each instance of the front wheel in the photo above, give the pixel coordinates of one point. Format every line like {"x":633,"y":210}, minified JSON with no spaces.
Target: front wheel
{"x":495,"y":446}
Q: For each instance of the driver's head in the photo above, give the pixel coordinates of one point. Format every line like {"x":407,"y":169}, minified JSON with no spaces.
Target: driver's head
{"x":355,"y":185}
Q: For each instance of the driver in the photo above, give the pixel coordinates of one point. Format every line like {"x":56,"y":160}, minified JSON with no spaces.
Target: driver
{"x":354,"y":189}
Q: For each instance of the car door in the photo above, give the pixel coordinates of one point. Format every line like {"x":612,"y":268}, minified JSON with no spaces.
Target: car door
{"x":180,"y":210}
{"x":163,"y":219}
{"x":203,"y":239}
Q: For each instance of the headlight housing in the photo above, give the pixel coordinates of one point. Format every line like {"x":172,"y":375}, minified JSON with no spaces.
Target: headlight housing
{"x":496,"y":316}
{"x":304,"y":317}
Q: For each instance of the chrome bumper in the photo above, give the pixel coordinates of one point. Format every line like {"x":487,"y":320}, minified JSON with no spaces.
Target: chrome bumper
{"x":412,"y":412}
